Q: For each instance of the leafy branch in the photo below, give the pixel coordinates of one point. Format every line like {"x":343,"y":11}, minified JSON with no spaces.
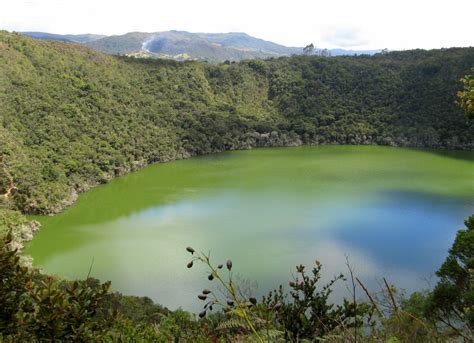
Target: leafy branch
{"x":235,"y":304}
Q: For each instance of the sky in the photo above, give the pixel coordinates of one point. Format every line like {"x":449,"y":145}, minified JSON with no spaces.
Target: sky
{"x":349,"y":24}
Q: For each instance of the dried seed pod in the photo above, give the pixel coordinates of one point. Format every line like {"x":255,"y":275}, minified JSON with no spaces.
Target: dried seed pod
{"x":202,"y":297}
{"x":190,"y":264}
{"x":229,"y":264}
{"x":253,"y":300}
{"x":191,"y":250}
{"x":206,"y":291}
{"x":202,"y":314}
{"x":210,"y":277}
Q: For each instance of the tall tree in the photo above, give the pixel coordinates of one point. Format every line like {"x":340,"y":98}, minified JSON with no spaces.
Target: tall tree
{"x":308,"y":49}
{"x":466,"y":96}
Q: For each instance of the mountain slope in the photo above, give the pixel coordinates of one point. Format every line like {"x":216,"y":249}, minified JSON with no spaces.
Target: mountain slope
{"x":202,"y":46}
{"x":120,"y":45}
{"x":84,"y":38}
{"x":182,"y":45}
{"x":71,"y":117}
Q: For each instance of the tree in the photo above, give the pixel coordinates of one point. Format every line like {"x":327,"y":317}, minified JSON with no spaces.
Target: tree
{"x":308,"y":49}
{"x":466,"y":96}
{"x":325,"y":53}
{"x":452,"y":300}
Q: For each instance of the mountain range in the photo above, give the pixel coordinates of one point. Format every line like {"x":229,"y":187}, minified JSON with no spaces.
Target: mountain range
{"x":182,"y":45}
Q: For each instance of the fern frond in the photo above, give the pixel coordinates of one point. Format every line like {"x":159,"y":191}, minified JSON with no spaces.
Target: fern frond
{"x":233,"y":323}
{"x":272,"y":335}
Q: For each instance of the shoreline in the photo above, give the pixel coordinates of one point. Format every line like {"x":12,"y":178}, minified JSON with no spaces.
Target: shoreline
{"x":138,"y":165}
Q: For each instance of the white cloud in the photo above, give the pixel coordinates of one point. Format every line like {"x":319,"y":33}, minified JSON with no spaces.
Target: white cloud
{"x":345,"y":37}
{"x":368,"y":24}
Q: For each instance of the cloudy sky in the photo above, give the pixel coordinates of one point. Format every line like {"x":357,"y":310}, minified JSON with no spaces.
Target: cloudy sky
{"x":354,"y":24}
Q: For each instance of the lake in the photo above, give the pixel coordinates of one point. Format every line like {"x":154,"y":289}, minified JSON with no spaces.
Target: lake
{"x":394,"y":212}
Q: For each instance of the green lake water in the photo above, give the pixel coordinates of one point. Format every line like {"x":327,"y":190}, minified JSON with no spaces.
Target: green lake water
{"x":394,"y":212}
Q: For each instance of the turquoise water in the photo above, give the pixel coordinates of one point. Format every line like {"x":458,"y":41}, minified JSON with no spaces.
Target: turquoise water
{"x":394,"y":212}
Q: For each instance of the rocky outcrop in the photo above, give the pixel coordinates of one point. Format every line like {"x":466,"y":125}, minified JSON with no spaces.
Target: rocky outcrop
{"x":23,"y":232}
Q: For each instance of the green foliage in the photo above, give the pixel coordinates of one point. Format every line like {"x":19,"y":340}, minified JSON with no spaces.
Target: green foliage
{"x":36,"y":307}
{"x":71,"y":118}
{"x":181,"y":45}
{"x":136,"y":309}
{"x":14,"y":278}
{"x":441,"y":314}
{"x":305,"y":311}
{"x":45,"y":308}
{"x":452,"y":300}
{"x":241,"y":309}
{"x":17,"y":227}
{"x":180,"y":326}
{"x":130,"y":42}
{"x":466,"y":96}
{"x":399,"y":319}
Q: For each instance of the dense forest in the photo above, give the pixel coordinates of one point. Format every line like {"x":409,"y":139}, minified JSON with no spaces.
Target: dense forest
{"x":72,"y":118}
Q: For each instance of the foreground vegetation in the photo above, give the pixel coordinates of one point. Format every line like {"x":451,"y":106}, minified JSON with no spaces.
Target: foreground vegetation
{"x":37,"y":307}
{"x":71,"y":118}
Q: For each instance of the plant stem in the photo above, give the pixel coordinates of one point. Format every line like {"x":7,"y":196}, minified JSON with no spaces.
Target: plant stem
{"x":230,"y":288}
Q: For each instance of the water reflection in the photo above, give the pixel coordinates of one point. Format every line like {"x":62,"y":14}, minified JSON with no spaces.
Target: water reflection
{"x":403,"y":236}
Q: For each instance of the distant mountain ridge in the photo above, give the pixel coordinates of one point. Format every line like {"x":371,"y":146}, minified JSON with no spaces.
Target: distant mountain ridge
{"x":183,"y":45}
{"x":82,"y":38}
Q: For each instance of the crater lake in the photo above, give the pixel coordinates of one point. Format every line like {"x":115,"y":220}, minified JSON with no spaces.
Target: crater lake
{"x":393,"y":212}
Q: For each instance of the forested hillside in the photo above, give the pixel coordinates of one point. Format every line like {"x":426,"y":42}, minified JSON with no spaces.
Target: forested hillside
{"x":185,"y":46}
{"x":72,"y":117}
{"x":182,"y":45}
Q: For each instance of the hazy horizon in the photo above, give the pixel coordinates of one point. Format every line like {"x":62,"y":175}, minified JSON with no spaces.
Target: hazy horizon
{"x":365,"y":24}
